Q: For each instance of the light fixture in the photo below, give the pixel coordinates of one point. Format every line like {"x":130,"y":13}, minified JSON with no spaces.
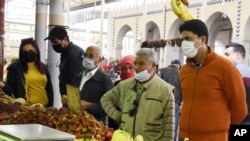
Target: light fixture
{"x":223,"y":16}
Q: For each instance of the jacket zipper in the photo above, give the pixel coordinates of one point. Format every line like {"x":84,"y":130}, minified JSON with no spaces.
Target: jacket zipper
{"x":139,"y":99}
{"x":188,"y":123}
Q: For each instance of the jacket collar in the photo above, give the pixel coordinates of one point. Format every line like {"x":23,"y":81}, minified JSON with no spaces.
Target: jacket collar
{"x":97,"y":76}
{"x":206,"y":61}
{"x":145,"y":85}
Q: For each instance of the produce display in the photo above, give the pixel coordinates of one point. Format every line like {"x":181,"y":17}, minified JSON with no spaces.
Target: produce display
{"x":10,"y":105}
{"x":83,"y":125}
{"x":120,"y":135}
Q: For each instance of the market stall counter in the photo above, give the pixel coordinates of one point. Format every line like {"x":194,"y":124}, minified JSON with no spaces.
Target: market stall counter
{"x":33,"y":132}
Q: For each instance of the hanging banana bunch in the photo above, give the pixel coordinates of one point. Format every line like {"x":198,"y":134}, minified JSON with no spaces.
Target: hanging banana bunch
{"x":180,"y":9}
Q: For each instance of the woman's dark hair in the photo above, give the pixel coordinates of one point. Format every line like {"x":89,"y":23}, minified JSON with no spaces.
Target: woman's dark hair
{"x":38,"y":63}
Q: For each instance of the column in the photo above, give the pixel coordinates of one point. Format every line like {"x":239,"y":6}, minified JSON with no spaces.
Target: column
{"x":41,"y":27}
{"x":56,"y":17}
{"x":161,"y":58}
{"x":2,"y":3}
{"x":144,"y":22}
{"x":101,"y":24}
{"x":168,"y":58}
{"x":165,"y":56}
{"x":110,"y":33}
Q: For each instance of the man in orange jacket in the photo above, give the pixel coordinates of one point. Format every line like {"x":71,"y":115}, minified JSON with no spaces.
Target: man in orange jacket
{"x":212,"y":88}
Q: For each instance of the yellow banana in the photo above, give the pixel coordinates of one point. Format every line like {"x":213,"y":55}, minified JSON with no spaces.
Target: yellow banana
{"x":181,"y":10}
{"x":189,"y":16}
{"x":175,"y":6}
{"x":183,"y":15}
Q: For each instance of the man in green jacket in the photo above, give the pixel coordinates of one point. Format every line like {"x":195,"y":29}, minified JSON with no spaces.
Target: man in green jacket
{"x":146,"y":101}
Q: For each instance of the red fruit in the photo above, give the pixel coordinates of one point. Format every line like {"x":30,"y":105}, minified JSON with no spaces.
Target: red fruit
{"x":79,"y":135}
{"x":93,"y":131}
{"x":109,"y":134}
{"x":51,"y":124}
{"x":56,"y":117}
{"x":87,"y":135}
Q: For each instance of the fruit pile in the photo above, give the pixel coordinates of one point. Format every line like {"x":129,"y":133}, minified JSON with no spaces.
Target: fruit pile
{"x":4,"y":98}
{"x":9,"y":105}
{"x":81,"y":124}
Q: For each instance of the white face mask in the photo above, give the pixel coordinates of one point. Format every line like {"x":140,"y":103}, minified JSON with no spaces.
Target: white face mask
{"x":88,"y":64}
{"x":142,"y":76}
{"x":188,"y":49}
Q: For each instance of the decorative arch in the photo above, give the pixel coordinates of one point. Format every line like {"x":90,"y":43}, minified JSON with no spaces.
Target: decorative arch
{"x":152,"y":31}
{"x":124,"y":29}
{"x":246,"y":39}
{"x":220,"y":31}
{"x":174,"y":53}
{"x":174,"y":30}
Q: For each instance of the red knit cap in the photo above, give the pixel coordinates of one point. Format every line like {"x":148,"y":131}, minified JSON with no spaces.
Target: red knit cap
{"x":128,"y":59}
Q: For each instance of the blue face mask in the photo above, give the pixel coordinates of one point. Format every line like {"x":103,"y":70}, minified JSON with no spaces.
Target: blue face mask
{"x":88,"y":64}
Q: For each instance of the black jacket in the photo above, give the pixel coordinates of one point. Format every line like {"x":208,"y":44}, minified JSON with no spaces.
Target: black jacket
{"x":93,"y":90}
{"x":70,"y":66}
{"x":15,"y":83}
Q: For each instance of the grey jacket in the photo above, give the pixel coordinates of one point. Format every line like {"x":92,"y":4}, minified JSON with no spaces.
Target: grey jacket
{"x":171,"y":75}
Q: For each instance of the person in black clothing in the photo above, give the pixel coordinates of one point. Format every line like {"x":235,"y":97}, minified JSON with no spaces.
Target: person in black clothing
{"x":28,"y":77}
{"x":71,"y":56}
{"x":171,"y":75}
{"x":92,"y":83}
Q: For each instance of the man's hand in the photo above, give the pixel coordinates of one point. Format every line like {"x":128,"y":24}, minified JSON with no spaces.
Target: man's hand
{"x":85,"y":105}
{"x":64,"y":100}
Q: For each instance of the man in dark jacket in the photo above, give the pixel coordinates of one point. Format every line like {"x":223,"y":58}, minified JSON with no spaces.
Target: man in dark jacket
{"x":71,"y":56}
{"x":171,"y":75}
{"x":92,"y":83}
